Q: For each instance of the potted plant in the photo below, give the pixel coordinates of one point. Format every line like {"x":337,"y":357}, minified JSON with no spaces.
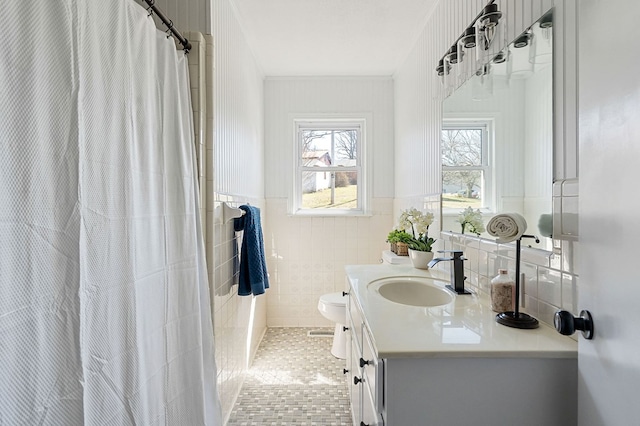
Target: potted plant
{"x":399,"y":240}
{"x":471,"y":220}
{"x":419,"y":246}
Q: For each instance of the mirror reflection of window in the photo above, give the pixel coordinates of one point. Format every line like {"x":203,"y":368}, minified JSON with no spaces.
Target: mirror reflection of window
{"x":513,"y":94}
{"x":466,"y":170}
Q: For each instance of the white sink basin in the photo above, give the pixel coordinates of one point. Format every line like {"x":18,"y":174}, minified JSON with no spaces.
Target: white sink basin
{"x":412,"y":291}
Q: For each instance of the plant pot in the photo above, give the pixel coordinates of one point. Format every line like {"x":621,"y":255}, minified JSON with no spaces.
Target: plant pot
{"x":402,"y":249}
{"x":420,"y":259}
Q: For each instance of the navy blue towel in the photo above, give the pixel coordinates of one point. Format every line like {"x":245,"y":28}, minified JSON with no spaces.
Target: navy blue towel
{"x":253,"y":277}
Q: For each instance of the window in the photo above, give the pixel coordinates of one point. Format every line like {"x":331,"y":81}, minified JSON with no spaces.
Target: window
{"x":329,"y":176}
{"x":466,"y":172}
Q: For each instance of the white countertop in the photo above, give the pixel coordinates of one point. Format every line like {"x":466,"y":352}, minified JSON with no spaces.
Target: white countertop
{"x":463,"y":328}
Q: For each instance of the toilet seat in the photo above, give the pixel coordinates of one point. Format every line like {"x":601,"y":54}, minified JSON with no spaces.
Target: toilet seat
{"x":334,"y":299}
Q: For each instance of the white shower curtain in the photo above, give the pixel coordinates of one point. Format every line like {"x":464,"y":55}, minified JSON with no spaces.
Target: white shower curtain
{"x":104,"y":303}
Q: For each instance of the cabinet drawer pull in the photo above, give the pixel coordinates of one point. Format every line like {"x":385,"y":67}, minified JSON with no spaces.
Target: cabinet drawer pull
{"x":345,"y":293}
{"x":345,"y":328}
{"x":345,"y":371}
{"x":356,"y":380}
{"x":363,"y":362}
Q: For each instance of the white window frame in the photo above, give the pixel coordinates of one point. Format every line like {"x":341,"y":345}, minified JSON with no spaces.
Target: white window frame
{"x":337,"y":123}
{"x":488,"y":165}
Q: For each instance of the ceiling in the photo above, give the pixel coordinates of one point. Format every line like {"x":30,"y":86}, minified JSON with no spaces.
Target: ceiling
{"x":331,"y":37}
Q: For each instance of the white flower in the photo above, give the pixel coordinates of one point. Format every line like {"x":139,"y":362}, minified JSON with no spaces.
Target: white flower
{"x":414,"y":220}
{"x":472,"y":220}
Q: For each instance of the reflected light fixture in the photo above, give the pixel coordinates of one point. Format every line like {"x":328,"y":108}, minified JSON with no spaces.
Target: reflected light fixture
{"x":482,"y":86}
{"x":468,"y":38}
{"x":542,"y":41}
{"x":500,"y":57}
{"x":523,"y":40}
{"x":519,"y":65}
{"x":452,"y":55}
{"x":442,"y":68}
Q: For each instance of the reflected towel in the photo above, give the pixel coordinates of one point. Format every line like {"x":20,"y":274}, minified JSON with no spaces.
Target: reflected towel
{"x":507,"y":227}
{"x":253,"y":278}
{"x":545,"y":225}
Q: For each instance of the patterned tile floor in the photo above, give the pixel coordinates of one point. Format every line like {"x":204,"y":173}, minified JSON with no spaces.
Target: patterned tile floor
{"x":294,"y":380}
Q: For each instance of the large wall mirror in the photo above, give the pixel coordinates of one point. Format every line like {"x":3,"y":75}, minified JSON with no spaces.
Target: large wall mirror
{"x":497,"y":136}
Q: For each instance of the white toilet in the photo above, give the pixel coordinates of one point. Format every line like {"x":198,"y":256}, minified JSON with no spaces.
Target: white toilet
{"x":333,"y":306}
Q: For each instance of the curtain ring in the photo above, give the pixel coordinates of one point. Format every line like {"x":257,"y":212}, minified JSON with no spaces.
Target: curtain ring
{"x":150,"y":8}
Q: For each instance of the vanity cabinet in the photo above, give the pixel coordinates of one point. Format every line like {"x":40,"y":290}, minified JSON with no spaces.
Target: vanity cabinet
{"x":451,"y":388}
{"x":364,"y":370}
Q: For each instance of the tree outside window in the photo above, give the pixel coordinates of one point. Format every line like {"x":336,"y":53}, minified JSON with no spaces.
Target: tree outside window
{"x":465,"y":167}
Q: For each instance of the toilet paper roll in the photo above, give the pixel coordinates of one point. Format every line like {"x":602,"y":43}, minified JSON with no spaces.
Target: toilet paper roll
{"x":507,"y":227}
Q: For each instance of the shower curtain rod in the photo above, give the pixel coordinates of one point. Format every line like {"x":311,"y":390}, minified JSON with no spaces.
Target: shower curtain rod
{"x":169,"y":24}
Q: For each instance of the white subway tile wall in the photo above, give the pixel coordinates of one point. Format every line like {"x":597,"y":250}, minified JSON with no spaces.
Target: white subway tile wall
{"x":306,"y":258}
{"x":544,"y":289}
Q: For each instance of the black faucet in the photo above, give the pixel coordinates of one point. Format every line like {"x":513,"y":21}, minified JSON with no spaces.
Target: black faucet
{"x":457,"y":270}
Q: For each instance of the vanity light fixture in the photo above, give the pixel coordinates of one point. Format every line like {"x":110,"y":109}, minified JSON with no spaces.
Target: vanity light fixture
{"x":479,"y":35}
{"x":487,"y":23}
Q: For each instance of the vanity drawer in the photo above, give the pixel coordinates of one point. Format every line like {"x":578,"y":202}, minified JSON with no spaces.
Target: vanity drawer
{"x":355,"y":387}
{"x":372,"y":370}
{"x":356,"y":321}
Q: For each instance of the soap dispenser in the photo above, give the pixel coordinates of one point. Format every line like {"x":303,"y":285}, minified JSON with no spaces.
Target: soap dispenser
{"x":502,"y":292}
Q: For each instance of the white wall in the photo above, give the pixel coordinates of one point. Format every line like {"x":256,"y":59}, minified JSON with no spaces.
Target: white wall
{"x":237,"y":169}
{"x":306,"y":256}
{"x":418,"y":97}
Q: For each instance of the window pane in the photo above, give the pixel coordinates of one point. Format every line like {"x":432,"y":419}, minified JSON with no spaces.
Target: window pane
{"x":326,"y":190}
{"x":461,"y":189}
{"x":346,"y":144}
{"x":462,"y":147}
{"x":316,"y":148}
